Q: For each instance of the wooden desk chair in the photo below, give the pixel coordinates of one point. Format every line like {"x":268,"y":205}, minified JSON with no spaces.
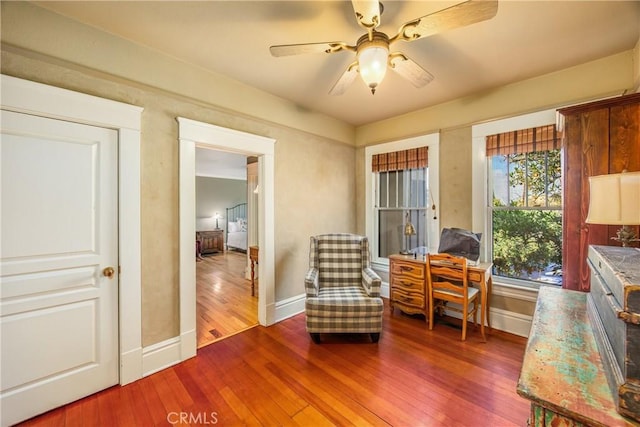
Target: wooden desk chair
{"x":452,"y":286}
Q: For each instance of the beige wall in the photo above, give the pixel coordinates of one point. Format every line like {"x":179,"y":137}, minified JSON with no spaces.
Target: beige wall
{"x":455,"y":178}
{"x":636,"y":66}
{"x":314,"y":179}
{"x":39,"y":30}
{"x":453,"y":120}
{"x":319,"y":175}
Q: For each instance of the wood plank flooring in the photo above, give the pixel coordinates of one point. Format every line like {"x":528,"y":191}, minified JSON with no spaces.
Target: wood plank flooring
{"x":276,"y":376}
{"x":224,"y":305}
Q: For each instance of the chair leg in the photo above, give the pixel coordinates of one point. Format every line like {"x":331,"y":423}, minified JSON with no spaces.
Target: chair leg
{"x":475,"y":313}
{"x":430,"y":311}
{"x":315,"y":337}
{"x":375,"y":336}
{"x":465,"y":318}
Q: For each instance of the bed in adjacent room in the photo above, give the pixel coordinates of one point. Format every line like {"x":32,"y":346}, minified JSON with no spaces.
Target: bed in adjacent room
{"x":237,"y":227}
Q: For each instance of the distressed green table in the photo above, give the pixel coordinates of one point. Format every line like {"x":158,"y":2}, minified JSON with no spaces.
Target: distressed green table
{"x":562,"y":372}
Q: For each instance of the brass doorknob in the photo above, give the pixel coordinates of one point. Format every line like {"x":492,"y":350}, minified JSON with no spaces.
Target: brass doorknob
{"x":108,"y":272}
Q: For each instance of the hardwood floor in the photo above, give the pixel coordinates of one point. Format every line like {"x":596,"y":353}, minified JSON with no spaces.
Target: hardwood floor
{"x":277,"y":376}
{"x":224,"y":305}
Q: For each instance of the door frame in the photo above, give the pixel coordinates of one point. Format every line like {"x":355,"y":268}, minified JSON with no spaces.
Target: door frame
{"x":24,"y":96}
{"x":192,"y":133}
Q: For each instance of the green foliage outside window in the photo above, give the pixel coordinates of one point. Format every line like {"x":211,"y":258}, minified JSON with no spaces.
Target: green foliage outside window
{"x":527,"y":216}
{"x":526,"y":241}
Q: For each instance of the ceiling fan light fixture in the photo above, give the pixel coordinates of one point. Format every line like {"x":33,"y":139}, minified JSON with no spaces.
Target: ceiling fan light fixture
{"x":372,"y":59}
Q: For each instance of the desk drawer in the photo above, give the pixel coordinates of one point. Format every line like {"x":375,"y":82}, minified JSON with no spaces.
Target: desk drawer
{"x":474,"y":277}
{"x":408,"y":284}
{"x":408,"y":298}
{"x":408,"y":269}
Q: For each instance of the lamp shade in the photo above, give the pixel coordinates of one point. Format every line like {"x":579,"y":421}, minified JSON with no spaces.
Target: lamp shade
{"x":614,"y":199}
{"x":372,"y":61}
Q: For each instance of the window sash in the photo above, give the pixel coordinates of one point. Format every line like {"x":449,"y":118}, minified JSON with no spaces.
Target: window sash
{"x":547,"y":206}
{"x":398,"y":193}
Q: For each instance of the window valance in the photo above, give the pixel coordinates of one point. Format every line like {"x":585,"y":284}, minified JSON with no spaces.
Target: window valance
{"x":413,"y":158}
{"x":541,"y":138}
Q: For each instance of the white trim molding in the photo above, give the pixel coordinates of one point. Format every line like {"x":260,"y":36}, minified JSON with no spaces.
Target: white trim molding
{"x":162,"y":355}
{"x":290,"y":307}
{"x":29,"y":97}
{"x":192,"y":134}
{"x":479,"y":191}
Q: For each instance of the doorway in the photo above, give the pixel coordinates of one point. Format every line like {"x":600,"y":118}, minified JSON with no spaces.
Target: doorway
{"x":73,"y":107}
{"x":197,"y":134}
{"x":225,"y":228}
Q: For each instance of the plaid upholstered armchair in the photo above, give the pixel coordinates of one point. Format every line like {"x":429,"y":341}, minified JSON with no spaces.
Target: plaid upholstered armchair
{"x":343,"y":292}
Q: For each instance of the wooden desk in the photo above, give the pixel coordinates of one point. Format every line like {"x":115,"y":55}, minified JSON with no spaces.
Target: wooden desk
{"x":253,"y":256}
{"x":409,"y":294}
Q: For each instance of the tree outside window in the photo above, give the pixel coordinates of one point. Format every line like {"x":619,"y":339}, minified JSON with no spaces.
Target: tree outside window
{"x":526,"y":214}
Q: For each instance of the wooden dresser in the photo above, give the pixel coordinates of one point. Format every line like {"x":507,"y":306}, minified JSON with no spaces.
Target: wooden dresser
{"x":408,"y":285}
{"x":212,"y":241}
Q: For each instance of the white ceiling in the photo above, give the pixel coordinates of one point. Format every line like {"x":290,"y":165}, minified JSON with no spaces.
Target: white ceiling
{"x":524,"y":39}
{"x":220,"y":164}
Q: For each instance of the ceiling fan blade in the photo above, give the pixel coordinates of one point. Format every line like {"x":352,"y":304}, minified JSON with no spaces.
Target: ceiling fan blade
{"x":367,"y":13}
{"x":410,"y":70}
{"x":459,"y":15}
{"x":322,"y":47}
{"x":345,"y":80}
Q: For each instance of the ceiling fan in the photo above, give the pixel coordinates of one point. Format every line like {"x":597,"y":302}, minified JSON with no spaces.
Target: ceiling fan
{"x":372,"y":49}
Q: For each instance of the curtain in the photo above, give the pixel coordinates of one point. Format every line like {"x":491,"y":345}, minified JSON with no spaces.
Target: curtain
{"x":413,"y":158}
{"x":541,"y":138}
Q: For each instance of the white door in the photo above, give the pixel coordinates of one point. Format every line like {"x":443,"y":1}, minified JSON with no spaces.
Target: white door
{"x":58,"y":307}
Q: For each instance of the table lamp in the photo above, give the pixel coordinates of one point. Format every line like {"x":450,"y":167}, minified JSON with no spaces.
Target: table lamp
{"x":409,"y":230}
{"x":615,"y":200}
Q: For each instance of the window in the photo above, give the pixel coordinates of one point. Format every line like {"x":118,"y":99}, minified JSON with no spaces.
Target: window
{"x":525,"y":207}
{"x":401,"y":184}
{"x":401,"y":197}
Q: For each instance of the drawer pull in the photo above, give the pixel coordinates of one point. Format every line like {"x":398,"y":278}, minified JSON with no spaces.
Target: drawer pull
{"x":406,"y":268}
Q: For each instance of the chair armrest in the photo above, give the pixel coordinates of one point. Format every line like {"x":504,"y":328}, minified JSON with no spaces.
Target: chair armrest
{"x":371,"y":282}
{"x":311,"y":282}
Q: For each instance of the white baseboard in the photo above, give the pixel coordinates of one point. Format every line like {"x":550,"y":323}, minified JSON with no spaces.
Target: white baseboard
{"x":289,"y":307}
{"x":167,"y":353}
{"x":384,"y":290}
{"x":188,"y":344}
{"x":161,"y":355}
{"x":503,"y":320}
{"x":509,"y":321}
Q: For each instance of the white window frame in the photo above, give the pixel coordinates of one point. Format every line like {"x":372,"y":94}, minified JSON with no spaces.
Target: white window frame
{"x":432,"y":141}
{"x":481,"y":217}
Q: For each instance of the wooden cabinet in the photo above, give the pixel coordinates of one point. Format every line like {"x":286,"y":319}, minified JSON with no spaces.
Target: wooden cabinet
{"x":407,"y":283}
{"x":598,"y":138}
{"x":211,"y":241}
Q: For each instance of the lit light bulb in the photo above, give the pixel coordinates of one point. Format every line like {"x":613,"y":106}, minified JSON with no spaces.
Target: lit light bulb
{"x":372,"y":62}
